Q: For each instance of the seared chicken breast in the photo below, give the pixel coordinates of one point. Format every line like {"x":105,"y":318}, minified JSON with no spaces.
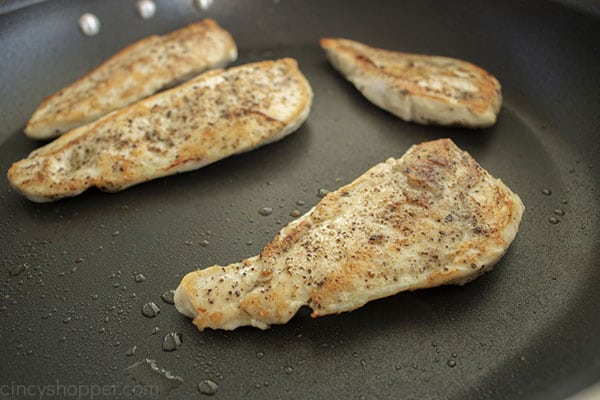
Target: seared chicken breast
{"x":433,"y":217}
{"x":420,"y":88}
{"x":211,"y":117}
{"x":135,"y":72}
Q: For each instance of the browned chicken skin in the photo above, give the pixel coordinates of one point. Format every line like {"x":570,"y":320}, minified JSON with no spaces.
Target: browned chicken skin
{"x":420,"y":88}
{"x":430,"y":218}
{"x":213,"y":116}
{"x":137,"y":71}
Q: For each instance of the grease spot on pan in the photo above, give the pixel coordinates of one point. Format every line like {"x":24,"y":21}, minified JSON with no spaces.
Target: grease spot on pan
{"x":150,"y":310}
{"x":145,"y":8}
{"x":89,"y":24}
{"x":172,"y":341}
{"x":168,"y":296}
{"x":322,"y":192}
{"x":265,"y":211}
{"x":203,"y":5}
{"x":148,"y":374}
{"x":208,"y":387}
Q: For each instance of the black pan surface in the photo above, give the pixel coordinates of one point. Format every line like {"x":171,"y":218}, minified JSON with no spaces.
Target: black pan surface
{"x":70,"y":306}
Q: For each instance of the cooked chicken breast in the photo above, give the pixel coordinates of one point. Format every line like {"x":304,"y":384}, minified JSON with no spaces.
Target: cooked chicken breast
{"x":135,"y":72}
{"x":419,"y":88}
{"x":211,"y":117}
{"x":430,"y":218}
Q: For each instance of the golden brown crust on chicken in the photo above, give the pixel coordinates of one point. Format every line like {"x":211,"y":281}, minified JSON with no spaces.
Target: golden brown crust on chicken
{"x":211,"y":117}
{"x":430,"y":218}
{"x":137,"y":71}
{"x":420,"y":88}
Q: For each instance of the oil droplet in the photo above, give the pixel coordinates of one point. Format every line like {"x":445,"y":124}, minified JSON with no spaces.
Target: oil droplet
{"x":322,"y":192}
{"x":300,"y":202}
{"x":18,"y":269}
{"x":168,"y":296}
{"x":204,"y":243}
{"x":89,"y":24}
{"x":249,"y":243}
{"x":260,"y":355}
{"x":451,"y":363}
{"x":150,"y":310}
{"x":172,"y":341}
{"x":265,"y":211}
{"x":140,"y":278}
{"x":559,"y":212}
{"x":547,"y":192}
{"x":147,"y":373}
{"x":208,"y":387}
{"x":204,"y":5}
{"x":295,"y":213}
{"x":553,"y":220}
{"x":288,"y":370}
{"x":145,"y":8}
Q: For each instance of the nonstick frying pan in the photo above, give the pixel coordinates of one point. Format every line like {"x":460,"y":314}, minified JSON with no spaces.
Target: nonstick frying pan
{"x":76,"y":273}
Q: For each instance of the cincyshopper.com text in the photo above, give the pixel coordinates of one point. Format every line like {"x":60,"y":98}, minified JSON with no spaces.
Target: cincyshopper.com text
{"x":58,"y":390}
